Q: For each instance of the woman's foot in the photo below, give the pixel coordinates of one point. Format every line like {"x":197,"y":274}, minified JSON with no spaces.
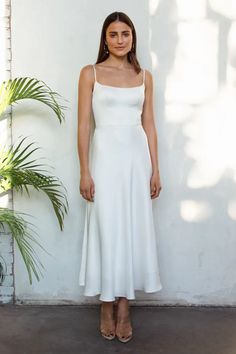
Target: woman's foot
{"x":123,"y":325}
{"x":107,"y":324}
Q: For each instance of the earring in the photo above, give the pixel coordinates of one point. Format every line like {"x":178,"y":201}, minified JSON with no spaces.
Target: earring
{"x":106,"y":48}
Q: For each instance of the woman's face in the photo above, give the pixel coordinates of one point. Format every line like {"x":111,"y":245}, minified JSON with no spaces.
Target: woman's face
{"x":119,"y":38}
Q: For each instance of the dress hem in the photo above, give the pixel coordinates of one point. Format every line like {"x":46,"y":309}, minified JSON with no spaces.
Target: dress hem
{"x":122,"y":295}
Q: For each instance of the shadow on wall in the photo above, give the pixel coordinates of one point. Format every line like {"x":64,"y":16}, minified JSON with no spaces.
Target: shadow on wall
{"x":193,"y":52}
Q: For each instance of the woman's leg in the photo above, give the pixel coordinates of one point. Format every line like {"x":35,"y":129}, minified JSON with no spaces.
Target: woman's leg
{"x":123,"y":325}
{"x":107,"y":324}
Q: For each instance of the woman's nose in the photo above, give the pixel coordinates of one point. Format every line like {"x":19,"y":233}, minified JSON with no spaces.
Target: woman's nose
{"x":120,"y":39}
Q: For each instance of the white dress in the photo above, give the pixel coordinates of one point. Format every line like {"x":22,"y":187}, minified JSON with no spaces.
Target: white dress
{"x":119,"y":252}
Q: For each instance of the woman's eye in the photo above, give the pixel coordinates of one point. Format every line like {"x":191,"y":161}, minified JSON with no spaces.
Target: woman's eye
{"x":125,"y":34}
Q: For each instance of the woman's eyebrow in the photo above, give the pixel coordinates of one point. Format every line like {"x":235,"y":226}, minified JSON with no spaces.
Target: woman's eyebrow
{"x":121,"y":31}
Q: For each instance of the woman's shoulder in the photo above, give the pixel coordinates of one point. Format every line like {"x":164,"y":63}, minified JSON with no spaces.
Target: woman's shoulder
{"x":87,"y":68}
{"x":148,"y":75}
{"x":147,"y":72}
{"x":86,"y":73}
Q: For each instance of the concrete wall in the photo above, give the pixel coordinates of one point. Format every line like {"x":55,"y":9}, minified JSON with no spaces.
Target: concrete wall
{"x":190,"y":49}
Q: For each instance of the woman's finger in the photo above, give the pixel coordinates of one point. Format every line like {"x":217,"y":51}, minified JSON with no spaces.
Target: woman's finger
{"x":92,"y":191}
{"x":155,"y":192}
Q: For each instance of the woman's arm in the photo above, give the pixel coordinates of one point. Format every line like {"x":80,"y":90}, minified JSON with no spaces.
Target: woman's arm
{"x":84,"y":113}
{"x":85,"y":86}
{"x":151,"y":132}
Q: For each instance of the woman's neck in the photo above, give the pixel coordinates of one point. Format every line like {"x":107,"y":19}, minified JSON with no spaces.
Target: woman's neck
{"x":118,"y":62}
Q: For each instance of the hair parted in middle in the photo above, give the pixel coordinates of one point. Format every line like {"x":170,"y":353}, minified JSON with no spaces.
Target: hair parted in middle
{"x":103,"y":53}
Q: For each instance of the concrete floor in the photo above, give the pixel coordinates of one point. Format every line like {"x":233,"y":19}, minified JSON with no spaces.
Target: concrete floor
{"x":74,"y":330}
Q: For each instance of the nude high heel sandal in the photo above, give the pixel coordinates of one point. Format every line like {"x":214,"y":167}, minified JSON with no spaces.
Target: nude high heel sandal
{"x":123,"y":339}
{"x":107,"y":334}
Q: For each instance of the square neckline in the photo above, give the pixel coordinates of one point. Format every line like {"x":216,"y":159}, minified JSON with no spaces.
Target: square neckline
{"x":116,"y":87}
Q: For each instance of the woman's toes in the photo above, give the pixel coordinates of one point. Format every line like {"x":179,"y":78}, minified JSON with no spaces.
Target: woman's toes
{"x":123,"y":329}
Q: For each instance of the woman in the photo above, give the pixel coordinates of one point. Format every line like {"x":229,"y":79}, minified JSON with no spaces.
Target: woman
{"x":120,"y":178}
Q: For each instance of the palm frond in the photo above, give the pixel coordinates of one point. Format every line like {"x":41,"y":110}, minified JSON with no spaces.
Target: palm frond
{"x":12,"y":91}
{"x":24,"y":236}
{"x":17,"y":172}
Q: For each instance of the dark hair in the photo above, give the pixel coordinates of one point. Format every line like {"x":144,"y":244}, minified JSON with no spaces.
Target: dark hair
{"x":103,"y":54}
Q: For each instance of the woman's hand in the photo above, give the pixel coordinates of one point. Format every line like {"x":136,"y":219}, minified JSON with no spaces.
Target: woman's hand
{"x":87,"y":188}
{"x":155,"y":185}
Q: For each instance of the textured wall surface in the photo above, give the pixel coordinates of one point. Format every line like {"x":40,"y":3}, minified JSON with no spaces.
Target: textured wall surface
{"x":190,"y":49}
{"x":6,"y":242}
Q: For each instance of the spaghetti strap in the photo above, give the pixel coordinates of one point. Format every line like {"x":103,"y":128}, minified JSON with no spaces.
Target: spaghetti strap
{"x":95,"y":77}
{"x":143,"y":76}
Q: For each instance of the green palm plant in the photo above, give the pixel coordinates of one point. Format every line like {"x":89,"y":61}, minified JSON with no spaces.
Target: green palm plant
{"x":19,"y":172}
{"x":12,"y":91}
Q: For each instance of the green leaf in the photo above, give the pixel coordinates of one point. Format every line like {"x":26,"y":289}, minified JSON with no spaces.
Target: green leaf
{"x":19,"y":174}
{"x":30,"y":88}
{"x":24,"y":237}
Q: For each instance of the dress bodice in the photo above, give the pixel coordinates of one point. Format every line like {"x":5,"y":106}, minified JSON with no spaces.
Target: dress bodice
{"x":117,"y":105}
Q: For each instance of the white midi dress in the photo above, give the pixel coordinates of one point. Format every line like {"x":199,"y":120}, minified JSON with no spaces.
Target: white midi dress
{"x":119,"y":250}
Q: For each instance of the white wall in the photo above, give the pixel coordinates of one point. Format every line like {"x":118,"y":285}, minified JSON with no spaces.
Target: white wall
{"x":190,"y":50}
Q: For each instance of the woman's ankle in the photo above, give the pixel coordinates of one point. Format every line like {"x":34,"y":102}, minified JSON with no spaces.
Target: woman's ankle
{"x":107,"y":308}
{"x":107,"y":304}
{"x":123,"y":310}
